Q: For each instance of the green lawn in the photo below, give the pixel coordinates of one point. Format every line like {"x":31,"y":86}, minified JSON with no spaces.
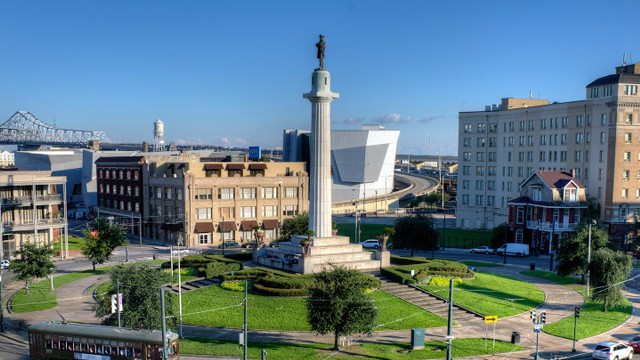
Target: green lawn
{"x":490,"y":294}
{"x":474,"y":263}
{"x":464,"y":239}
{"x":75,"y":243}
{"x":592,"y":321}
{"x":216,"y":307}
{"x":358,"y":350}
{"x":40,"y":296}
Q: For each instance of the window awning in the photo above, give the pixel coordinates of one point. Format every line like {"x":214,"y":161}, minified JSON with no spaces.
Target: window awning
{"x":203,"y":227}
{"x":257,"y":166}
{"x":270,"y":224}
{"x":248,"y":225}
{"x":209,"y":167}
{"x":226,"y":226}
{"x":235,"y":166}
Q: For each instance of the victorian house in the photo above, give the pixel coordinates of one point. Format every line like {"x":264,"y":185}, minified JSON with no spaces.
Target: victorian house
{"x":551,"y":204}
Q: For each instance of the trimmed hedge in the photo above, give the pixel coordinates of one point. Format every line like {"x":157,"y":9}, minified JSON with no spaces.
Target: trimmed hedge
{"x":208,"y":265}
{"x":214,"y":269}
{"x":279,"y":292}
{"x":424,"y":269}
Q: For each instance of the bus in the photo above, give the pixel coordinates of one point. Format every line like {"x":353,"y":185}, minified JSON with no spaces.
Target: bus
{"x":56,"y":340}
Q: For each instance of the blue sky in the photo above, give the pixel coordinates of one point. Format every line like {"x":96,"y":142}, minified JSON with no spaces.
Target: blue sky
{"x":233,"y":72}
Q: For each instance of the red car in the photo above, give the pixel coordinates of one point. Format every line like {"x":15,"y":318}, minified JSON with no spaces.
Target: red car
{"x":636,"y":254}
{"x":635,"y":343}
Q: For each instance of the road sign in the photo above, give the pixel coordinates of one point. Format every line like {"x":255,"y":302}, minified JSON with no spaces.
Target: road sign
{"x":450,"y":337}
{"x":537,"y":327}
{"x":490,"y":319}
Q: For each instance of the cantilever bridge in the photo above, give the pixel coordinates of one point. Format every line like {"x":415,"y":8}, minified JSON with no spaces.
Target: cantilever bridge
{"x":24,"y":128}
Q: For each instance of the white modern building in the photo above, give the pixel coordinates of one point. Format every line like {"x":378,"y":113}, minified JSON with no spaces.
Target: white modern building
{"x":362,"y":161}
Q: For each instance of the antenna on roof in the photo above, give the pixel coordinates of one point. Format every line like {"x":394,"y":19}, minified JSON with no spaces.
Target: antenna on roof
{"x":64,"y":321}
{"x":624,"y":58}
{"x":631,"y":58}
{"x":530,"y":94}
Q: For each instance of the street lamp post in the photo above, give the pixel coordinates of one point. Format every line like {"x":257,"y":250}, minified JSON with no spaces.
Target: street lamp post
{"x":179,"y":285}
{"x":376,"y":203}
{"x":504,"y":252}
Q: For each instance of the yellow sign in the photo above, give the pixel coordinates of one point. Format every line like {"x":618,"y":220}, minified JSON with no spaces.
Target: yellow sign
{"x":490,"y":319}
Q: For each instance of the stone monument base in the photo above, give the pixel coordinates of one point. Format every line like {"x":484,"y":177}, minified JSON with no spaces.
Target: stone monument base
{"x":321,"y":254}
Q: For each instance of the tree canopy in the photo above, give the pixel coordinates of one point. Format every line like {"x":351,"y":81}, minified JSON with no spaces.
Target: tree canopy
{"x":140,"y":287}
{"x":33,"y":262}
{"x":573,"y":252}
{"x":101,"y":238}
{"x":297,"y":225}
{"x":337,"y":303}
{"x":608,"y":270}
{"x":415,"y":232}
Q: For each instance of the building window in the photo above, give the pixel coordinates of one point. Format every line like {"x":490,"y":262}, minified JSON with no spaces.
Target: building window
{"x":467,"y":128}
{"x":247,"y":193}
{"x":246,"y":235}
{"x":466,"y":142}
{"x":203,"y":194}
{"x":479,"y":185}
{"x":226,"y":235}
{"x":225,"y":193}
{"x":491,"y":200}
{"x":203,"y":213}
{"x":481,"y":142}
{"x":290,"y":210}
{"x":227,"y":212}
{"x":625,"y":175}
{"x":482,"y":127}
{"x":121,"y":174}
{"x":114,"y":189}
{"x":466,"y":156}
{"x":479,"y":200}
{"x":625,"y":193}
{"x":479,"y":170}
{"x":179,"y":193}
{"x":565,"y":122}
{"x":626,"y":157}
{"x":519,"y":236}
{"x":579,"y":138}
{"x":247,"y":211}
{"x":128,"y":190}
{"x":594,"y":92}
{"x":465,"y":170}
{"x":158,"y":192}
{"x":630,"y":89}
{"x":290,"y":192}
{"x":121,"y":189}
{"x":519,"y":215}
{"x":128,"y":174}
{"x":269,"y":193}
{"x":491,"y":170}
{"x":607,"y":90}
{"x":136,"y":207}
{"x":203,"y":239}
{"x":493,"y":127}
{"x":269,"y":211}
{"x":480,"y":156}
{"x":101,"y":188}
{"x":136,"y":191}
{"x":465,"y":199}
{"x":570,"y":195}
{"x":563,"y":139}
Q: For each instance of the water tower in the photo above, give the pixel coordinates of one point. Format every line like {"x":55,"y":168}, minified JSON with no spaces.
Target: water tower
{"x":158,"y":135}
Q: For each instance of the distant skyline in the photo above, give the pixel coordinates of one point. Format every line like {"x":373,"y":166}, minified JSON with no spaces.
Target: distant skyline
{"x":232,"y":73}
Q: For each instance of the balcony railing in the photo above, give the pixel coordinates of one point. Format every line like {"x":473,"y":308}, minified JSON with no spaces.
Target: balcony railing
{"x":548,"y":226}
{"x":28,"y":200}
{"x":28,"y":225}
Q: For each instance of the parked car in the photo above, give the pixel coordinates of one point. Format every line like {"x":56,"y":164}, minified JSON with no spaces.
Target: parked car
{"x":519,"y":250}
{"x":249,"y":244}
{"x":229,"y":244}
{"x":635,"y":344}
{"x":4,"y":264}
{"x":361,"y":213}
{"x":379,"y":212}
{"x":482,"y":250}
{"x":370,"y":244}
{"x":610,"y":350}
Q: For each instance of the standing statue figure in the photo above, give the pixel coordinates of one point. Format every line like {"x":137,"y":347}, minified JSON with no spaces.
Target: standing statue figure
{"x":320,"y":46}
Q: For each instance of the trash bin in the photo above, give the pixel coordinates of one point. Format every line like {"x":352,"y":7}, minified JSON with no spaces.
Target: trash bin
{"x":515,"y":337}
{"x":532,"y":266}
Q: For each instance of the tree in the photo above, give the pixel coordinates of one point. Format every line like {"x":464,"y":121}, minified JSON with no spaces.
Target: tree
{"x":609,"y":269}
{"x":33,"y":262}
{"x":415,"y":232}
{"x":337,"y":303}
{"x":101,"y":239}
{"x":573,"y":252}
{"x":140,"y":287}
{"x":297,"y":225}
{"x":498,"y":235}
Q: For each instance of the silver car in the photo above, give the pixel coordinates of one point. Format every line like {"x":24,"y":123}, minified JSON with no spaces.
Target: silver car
{"x":370,"y":244}
{"x":610,"y":350}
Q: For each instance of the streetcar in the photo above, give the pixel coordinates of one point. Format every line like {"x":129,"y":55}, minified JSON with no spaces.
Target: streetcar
{"x":56,"y":340}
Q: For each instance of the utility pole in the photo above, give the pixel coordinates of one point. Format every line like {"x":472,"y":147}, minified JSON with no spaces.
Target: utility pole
{"x":245,"y":319}
{"x":450,"y":319}
{"x":119,"y":298}
{"x":164,"y":326}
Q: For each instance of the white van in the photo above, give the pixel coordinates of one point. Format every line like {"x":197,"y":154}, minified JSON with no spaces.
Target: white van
{"x":516,"y":249}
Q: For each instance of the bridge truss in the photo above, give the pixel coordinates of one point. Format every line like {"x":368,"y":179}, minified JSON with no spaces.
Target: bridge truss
{"x":24,"y":128}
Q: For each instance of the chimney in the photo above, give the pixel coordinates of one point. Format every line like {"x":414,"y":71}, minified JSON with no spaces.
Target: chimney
{"x":145,"y":146}
{"x":246,"y":157}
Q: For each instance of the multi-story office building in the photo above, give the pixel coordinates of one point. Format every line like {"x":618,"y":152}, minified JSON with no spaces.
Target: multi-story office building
{"x":32,"y":210}
{"x":203,"y":202}
{"x":598,"y":139}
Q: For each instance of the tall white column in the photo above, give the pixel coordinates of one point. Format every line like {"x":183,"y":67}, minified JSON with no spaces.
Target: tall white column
{"x":320,"y":145}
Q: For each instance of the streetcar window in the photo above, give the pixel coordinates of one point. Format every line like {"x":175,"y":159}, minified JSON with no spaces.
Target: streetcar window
{"x":48,"y":344}
{"x":85,"y":348}
{"x":63,"y":345}
{"x":98,"y":349}
{"x":107,"y":349}
{"x":92,"y":349}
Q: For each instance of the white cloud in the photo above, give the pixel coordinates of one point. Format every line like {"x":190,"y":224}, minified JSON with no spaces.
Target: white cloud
{"x":234,"y":141}
{"x":430,"y":119}
{"x":392,"y":118}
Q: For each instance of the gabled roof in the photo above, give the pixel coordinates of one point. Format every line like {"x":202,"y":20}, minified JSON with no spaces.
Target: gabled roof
{"x":555,"y":179}
{"x":616,"y":79}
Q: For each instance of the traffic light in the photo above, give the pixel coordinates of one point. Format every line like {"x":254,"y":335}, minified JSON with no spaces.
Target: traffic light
{"x":114,"y":303}
{"x":543,"y":317}
{"x":533,"y":316}
{"x":577,"y":311}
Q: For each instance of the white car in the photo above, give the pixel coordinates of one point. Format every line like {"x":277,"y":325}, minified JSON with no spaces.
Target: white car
{"x":482,"y":250}
{"x":370,"y":244}
{"x":4,"y":264}
{"x":610,"y":350}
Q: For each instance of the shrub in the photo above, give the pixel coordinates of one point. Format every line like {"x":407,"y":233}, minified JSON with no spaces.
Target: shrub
{"x":233,"y":285}
{"x":214,"y":269}
{"x":423,"y":277}
{"x":443,"y":281}
{"x":278,"y":292}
